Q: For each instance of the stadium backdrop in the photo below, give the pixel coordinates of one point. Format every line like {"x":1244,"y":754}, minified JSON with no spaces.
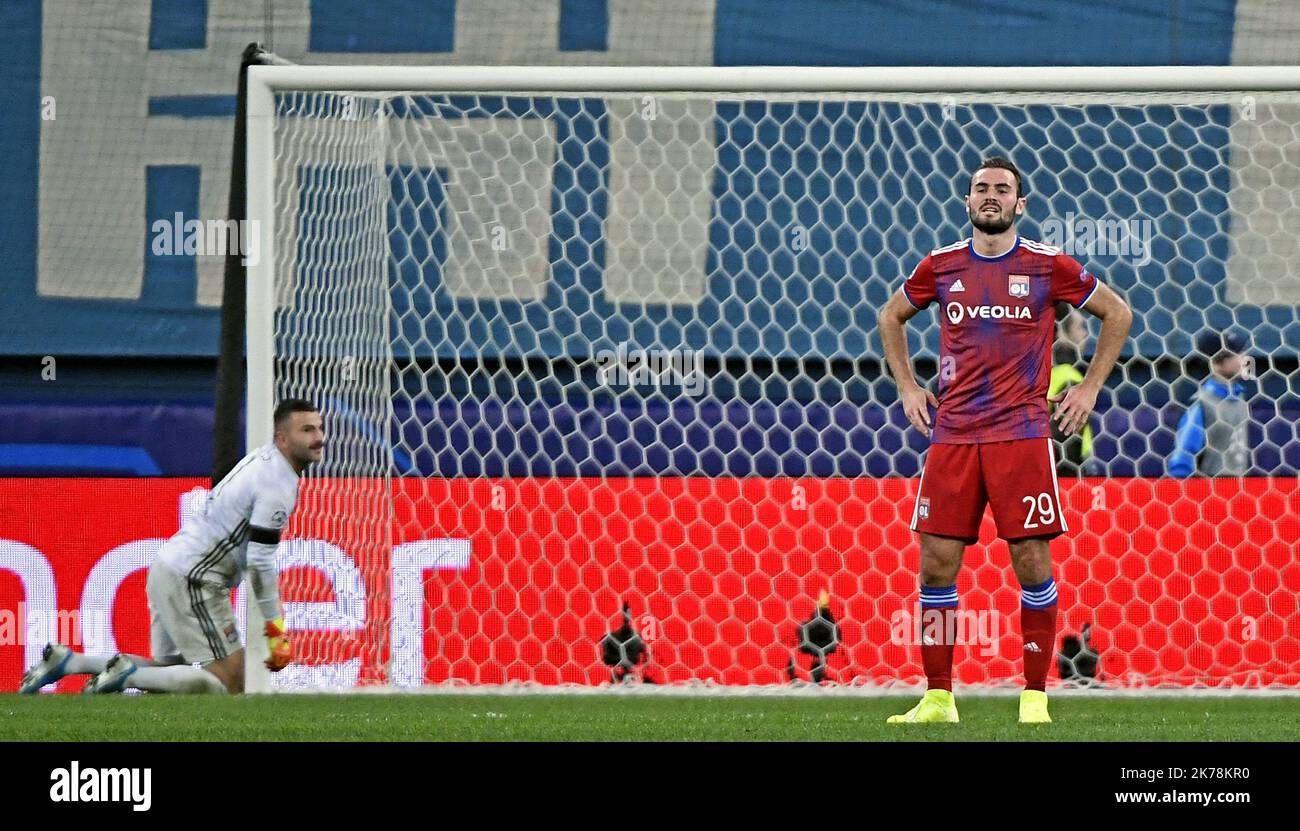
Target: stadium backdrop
{"x":79,"y":278}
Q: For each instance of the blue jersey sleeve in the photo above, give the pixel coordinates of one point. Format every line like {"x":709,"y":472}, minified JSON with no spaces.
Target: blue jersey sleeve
{"x":1189,"y":441}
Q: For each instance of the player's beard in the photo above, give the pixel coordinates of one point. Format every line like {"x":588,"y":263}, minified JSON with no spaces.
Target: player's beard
{"x":991,"y":225}
{"x":305,"y":456}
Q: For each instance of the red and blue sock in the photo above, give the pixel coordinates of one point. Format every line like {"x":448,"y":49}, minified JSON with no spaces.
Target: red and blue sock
{"x":938,"y":606}
{"x":1038,"y":627}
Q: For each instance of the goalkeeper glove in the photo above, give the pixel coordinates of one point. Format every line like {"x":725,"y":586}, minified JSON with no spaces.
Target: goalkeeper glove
{"x":277,"y":642}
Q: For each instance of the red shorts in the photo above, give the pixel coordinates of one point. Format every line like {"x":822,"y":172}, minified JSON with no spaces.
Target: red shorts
{"x":1018,"y":478}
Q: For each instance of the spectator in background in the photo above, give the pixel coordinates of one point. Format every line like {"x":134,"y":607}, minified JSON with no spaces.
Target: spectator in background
{"x":1215,"y":425}
{"x":1073,"y":453}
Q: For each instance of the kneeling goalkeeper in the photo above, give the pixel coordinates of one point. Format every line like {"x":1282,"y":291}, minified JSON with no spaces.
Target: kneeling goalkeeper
{"x":190,"y":581}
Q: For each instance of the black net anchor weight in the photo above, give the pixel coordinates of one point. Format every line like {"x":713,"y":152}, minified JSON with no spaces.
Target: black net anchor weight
{"x":819,"y":636}
{"x":1078,"y":661}
{"x":623,"y":649}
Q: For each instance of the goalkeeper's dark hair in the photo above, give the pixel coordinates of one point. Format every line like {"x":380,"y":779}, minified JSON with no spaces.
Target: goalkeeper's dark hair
{"x":999,"y":163}
{"x":289,"y":406}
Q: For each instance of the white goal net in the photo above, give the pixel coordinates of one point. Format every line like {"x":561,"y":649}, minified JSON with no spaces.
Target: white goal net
{"x":588,"y":339}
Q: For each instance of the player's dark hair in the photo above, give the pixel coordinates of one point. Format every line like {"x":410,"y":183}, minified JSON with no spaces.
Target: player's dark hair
{"x":289,"y":406}
{"x":999,"y":163}
{"x":1217,"y":346}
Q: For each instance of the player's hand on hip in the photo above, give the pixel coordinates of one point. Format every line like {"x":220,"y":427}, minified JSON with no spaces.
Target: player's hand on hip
{"x":1073,"y":406}
{"x":916,"y":404}
{"x":278,"y":645}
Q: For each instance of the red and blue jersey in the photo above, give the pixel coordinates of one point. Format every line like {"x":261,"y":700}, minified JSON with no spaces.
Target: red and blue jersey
{"x":997,"y":321}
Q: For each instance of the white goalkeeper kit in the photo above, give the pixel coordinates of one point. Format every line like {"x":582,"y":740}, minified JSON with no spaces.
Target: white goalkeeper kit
{"x":239,"y":528}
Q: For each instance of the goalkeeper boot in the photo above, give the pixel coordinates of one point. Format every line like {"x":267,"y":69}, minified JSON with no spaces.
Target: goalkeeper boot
{"x":53,"y":666}
{"x":114,"y":677}
{"x":936,"y":707}
{"x":1033,"y":707}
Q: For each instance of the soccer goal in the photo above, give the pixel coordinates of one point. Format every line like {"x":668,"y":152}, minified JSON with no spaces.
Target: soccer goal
{"x":588,"y":337}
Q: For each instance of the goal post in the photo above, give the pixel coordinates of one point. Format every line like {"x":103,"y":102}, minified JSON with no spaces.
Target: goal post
{"x":594,"y":336}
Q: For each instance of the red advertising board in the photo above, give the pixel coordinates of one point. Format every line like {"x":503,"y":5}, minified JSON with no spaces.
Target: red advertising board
{"x":491,"y":581}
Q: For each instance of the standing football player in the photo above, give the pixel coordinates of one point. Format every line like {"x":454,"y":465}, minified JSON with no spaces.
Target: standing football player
{"x":991,"y":440}
{"x":190,"y":580}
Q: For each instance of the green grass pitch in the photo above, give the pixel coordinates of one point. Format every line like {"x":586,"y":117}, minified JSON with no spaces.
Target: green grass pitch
{"x":621,"y":717}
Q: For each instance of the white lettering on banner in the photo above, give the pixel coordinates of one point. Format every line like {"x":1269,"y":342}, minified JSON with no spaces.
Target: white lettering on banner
{"x":957,"y":312}
{"x":193,"y":503}
{"x":100,"y":592}
{"x":660,"y":167}
{"x":345,"y":613}
{"x":94,"y":182}
{"x":340,"y":675}
{"x":492,"y":171}
{"x":37,"y":579}
{"x":77,"y":784}
{"x":410,"y":561}
{"x":348,"y":609}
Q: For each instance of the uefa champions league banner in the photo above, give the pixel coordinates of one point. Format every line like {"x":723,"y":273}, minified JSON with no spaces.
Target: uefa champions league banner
{"x":1190,"y":583}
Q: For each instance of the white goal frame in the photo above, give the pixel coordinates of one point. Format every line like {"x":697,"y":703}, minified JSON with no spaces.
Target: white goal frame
{"x":264,"y":82}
